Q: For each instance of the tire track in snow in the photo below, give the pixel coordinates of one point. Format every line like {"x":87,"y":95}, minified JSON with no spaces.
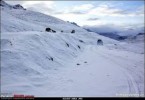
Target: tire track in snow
{"x":131,"y":81}
{"x":133,"y":87}
{"x":89,"y":50}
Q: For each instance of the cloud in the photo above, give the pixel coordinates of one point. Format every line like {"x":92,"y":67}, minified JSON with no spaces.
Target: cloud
{"x":101,"y":10}
{"x":140,"y":11}
{"x":69,"y":12}
{"x":92,"y":19}
{"x":84,"y":7}
{"x":40,"y":6}
{"x":78,"y":9}
{"x":77,"y":12}
{"x":104,"y":28}
{"x":87,"y":12}
{"x":106,"y":10}
{"x":49,"y":7}
{"x":33,"y":3}
{"x":117,"y":29}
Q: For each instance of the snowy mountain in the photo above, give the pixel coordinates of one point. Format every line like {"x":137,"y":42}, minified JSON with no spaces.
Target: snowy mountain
{"x":41,"y":63}
{"x":4,"y":4}
{"x":30,"y":20}
{"x":136,"y":38}
{"x":115,"y":32}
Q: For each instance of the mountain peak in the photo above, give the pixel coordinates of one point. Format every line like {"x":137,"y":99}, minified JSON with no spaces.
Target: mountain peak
{"x":5,"y":5}
{"x":18,"y":6}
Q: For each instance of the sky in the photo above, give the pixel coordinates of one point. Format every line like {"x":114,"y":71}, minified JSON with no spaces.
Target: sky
{"x":105,"y":12}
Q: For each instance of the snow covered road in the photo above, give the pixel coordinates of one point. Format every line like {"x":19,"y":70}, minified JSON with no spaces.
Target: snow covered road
{"x":98,"y":73}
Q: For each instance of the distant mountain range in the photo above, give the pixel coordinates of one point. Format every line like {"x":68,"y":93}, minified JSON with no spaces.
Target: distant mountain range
{"x":116,"y":34}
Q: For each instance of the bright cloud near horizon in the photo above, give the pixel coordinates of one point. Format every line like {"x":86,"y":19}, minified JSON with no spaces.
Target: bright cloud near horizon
{"x":122,"y":13}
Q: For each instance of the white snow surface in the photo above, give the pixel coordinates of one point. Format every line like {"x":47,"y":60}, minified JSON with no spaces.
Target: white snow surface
{"x":113,"y":69}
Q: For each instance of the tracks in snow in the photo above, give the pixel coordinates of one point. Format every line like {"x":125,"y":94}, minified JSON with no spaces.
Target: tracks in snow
{"x":102,"y":75}
{"x":133,"y":87}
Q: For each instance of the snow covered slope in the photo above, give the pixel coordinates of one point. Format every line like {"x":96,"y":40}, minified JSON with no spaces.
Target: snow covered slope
{"x":16,"y":20}
{"x":42,"y":63}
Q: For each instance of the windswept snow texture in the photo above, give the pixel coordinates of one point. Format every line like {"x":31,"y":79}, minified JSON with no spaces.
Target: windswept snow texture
{"x":39,"y":63}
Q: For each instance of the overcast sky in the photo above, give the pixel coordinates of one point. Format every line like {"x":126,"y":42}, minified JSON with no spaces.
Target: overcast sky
{"x":124,"y":13}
